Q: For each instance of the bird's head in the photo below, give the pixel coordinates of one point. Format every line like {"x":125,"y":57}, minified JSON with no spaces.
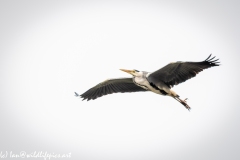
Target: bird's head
{"x":134,"y":72}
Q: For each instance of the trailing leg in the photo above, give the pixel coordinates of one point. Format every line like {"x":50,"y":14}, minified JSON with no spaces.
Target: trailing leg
{"x":183,"y":102}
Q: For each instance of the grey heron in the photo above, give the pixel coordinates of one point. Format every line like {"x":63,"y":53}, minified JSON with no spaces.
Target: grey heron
{"x":159,"y":82}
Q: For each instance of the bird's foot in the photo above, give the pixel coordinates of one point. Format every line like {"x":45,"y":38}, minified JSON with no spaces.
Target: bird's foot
{"x":184,"y":102}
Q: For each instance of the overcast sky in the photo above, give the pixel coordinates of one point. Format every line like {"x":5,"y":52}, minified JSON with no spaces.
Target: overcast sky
{"x":50,"y":49}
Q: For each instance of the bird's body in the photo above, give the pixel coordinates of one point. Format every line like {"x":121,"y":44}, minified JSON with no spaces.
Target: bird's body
{"x":159,"y":82}
{"x":142,"y":81}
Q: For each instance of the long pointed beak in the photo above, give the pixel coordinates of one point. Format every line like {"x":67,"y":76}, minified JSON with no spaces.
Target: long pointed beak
{"x":128,"y":71}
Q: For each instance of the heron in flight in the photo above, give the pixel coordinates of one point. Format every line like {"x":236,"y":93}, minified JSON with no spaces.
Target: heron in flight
{"x":159,"y":82}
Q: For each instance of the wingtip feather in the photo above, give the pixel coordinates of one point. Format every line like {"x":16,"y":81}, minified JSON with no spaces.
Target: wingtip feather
{"x":76,"y":94}
{"x":208,"y":57}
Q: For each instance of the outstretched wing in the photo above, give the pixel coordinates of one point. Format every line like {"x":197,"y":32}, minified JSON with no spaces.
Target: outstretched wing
{"x":178,"y":72}
{"x":111,"y":86}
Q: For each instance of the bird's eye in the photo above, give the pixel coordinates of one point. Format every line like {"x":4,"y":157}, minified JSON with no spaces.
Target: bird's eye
{"x":136,"y":70}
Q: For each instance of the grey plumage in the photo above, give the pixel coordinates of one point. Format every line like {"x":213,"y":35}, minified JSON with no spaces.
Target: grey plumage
{"x":178,"y":72}
{"x":160,"y":81}
{"x":76,"y":94}
{"x":111,"y":86}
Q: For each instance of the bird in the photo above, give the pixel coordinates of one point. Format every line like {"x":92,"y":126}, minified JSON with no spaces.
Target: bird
{"x":160,"y":82}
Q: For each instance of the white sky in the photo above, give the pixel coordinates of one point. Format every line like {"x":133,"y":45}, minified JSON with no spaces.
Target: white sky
{"x":50,"y":49}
